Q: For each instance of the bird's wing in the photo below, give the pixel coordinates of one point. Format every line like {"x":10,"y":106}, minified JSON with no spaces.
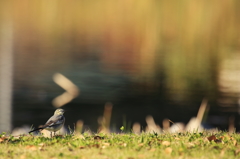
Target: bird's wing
{"x":54,"y":120}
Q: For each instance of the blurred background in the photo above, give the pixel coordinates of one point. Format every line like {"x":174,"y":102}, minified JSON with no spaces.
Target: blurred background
{"x":131,"y":58}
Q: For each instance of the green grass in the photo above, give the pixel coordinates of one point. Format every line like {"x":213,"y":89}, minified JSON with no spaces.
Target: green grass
{"x":122,"y":146}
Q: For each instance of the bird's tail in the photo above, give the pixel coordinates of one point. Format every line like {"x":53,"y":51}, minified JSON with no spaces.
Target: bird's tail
{"x":35,"y":130}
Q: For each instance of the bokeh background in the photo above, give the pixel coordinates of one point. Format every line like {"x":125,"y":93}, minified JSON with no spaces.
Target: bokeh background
{"x":158,"y":58}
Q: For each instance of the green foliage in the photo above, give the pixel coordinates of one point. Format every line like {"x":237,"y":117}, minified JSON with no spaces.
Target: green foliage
{"x":122,"y":128}
{"x":184,"y":145}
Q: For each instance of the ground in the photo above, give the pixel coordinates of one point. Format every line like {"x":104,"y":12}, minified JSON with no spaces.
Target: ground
{"x":122,"y":146}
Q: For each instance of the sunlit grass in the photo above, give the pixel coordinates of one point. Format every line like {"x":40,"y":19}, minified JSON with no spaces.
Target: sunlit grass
{"x":125,"y":146}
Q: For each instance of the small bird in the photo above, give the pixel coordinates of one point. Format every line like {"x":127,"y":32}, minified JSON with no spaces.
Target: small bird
{"x":54,"y":123}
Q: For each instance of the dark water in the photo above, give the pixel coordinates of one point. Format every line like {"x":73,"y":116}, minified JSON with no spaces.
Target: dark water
{"x":132,"y":100}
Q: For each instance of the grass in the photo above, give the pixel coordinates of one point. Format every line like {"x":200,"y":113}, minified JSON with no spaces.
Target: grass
{"x":122,"y":146}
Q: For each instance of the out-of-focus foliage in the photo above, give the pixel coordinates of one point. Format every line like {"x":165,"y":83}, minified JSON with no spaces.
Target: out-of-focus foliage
{"x":187,"y":39}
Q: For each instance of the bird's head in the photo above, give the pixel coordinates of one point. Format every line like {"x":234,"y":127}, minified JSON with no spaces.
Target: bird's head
{"x":59,"y":112}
